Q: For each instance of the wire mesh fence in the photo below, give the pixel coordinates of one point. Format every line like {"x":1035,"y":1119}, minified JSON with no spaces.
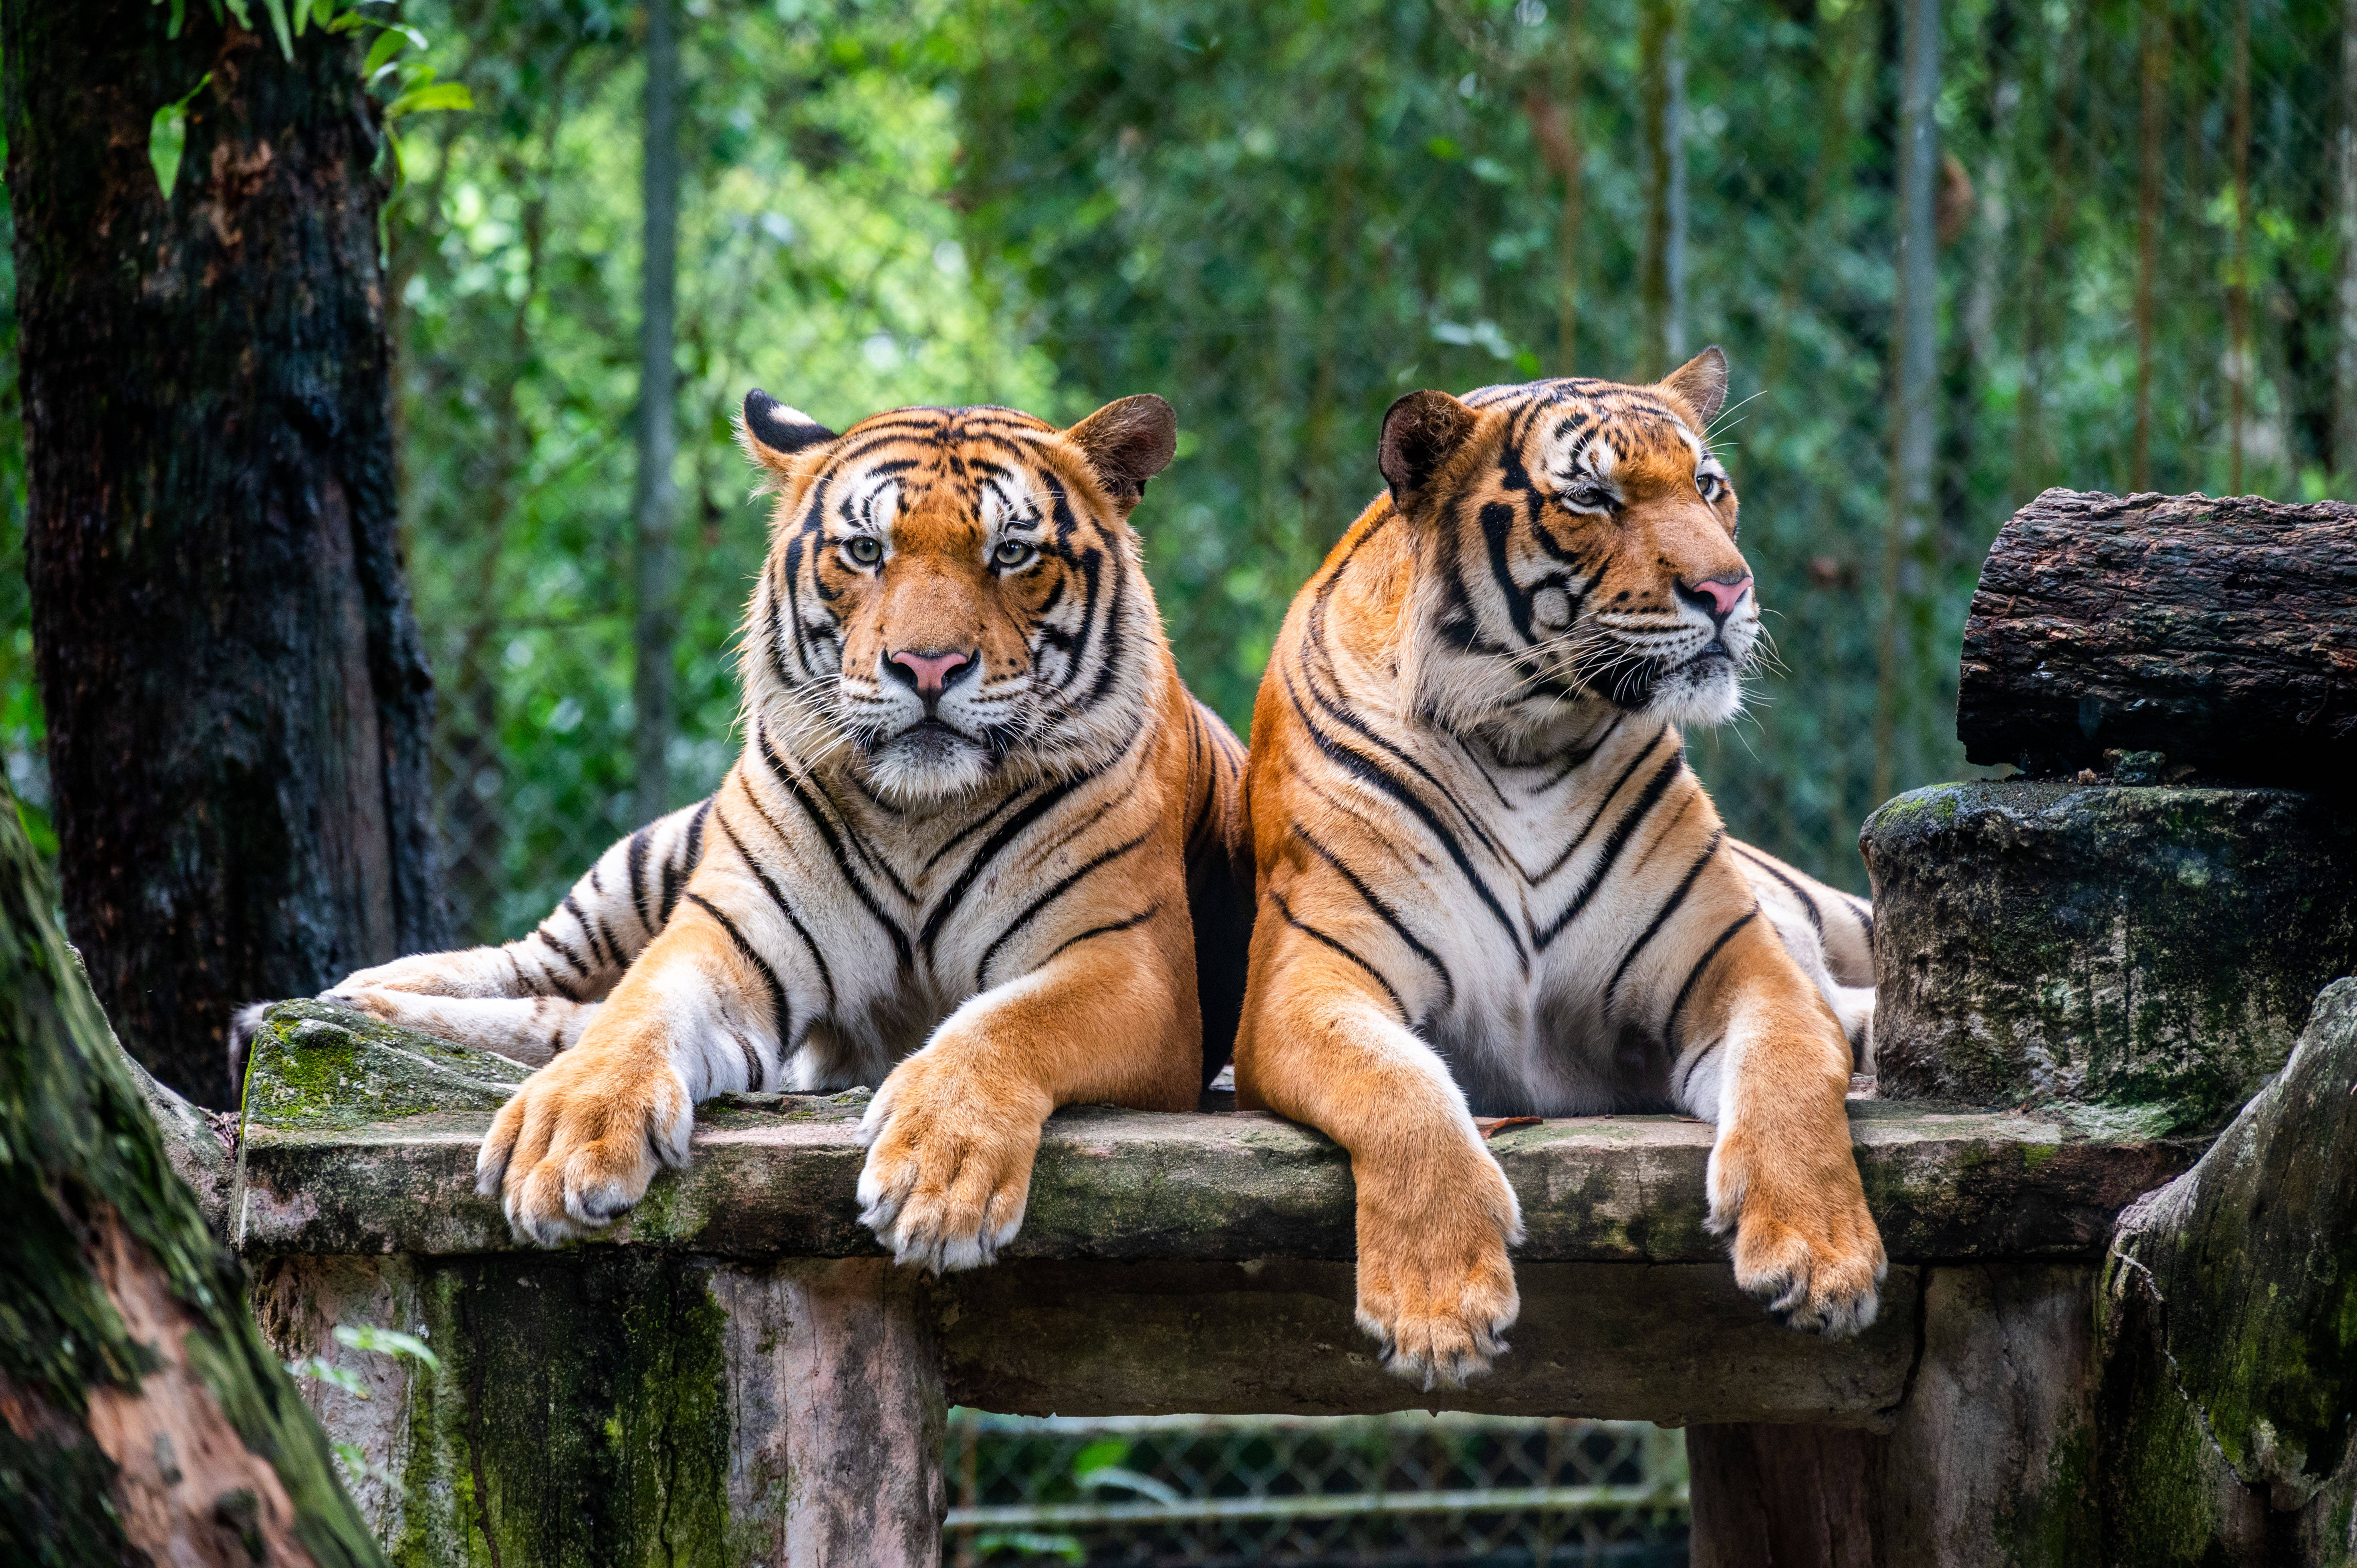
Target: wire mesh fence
{"x":2147,"y":275}
{"x":1299,"y":1491}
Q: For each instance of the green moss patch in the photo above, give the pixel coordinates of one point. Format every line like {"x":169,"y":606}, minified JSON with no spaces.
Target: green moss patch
{"x":313,"y":1066}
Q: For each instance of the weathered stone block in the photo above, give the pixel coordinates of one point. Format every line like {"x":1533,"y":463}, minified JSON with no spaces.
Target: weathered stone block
{"x":2142,"y":957}
{"x":2227,"y":1319}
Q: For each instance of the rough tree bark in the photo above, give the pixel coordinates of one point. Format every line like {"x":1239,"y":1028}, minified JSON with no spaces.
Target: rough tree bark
{"x":239,"y":704}
{"x":142,"y":1419}
{"x":2221,"y":633}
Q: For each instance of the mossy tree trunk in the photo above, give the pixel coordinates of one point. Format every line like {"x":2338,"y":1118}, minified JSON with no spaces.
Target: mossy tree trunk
{"x":141,"y":1418}
{"x":239,"y":705}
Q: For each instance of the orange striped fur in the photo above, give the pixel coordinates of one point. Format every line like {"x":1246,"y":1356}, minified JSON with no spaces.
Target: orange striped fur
{"x":982,"y":849}
{"x":1490,"y":885}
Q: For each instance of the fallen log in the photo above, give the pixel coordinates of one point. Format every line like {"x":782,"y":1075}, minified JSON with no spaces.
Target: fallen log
{"x":2221,"y":633}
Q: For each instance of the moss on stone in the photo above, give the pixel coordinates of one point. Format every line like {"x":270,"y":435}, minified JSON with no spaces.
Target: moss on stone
{"x":580,"y":1419}
{"x":2228,"y":1314}
{"x":2148,"y":952}
{"x":313,"y":1064}
{"x":2051,"y":1525}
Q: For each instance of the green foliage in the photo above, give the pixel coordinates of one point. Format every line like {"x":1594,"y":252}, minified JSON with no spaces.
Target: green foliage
{"x":366,"y":1337}
{"x":168,"y":134}
{"x":1281,"y":218}
{"x":819,"y":259}
{"x":402,"y":87}
{"x":1030,"y":1543}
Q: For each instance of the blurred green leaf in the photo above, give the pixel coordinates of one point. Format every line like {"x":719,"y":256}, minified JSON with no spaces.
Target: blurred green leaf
{"x":387,"y":1342}
{"x":425,"y":100}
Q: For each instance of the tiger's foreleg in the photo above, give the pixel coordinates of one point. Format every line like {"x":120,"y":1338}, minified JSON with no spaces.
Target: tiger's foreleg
{"x":535,"y":997}
{"x":1323,"y":1042}
{"x":952,"y":1133}
{"x":1767,"y":1063}
{"x":718,"y":1004}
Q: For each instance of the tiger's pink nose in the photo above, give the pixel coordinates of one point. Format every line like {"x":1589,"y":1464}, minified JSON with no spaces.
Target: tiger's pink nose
{"x":929,"y":673}
{"x":1722,"y":594}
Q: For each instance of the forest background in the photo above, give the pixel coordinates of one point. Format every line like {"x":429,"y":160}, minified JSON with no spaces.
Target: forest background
{"x":1282,"y":216}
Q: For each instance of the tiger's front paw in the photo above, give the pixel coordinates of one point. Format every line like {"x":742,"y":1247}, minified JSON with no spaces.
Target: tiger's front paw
{"x":1435,"y":1285}
{"x":1804,"y":1240}
{"x":575,"y":1146}
{"x":949,"y":1161}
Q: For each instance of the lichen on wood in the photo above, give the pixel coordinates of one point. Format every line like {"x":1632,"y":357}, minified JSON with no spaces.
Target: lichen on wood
{"x":347,"y":1150}
{"x":315,"y":1066}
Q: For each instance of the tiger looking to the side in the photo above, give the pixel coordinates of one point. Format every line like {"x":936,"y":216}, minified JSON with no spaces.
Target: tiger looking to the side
{"x":982,"y":849}
{"x":1490,"y":883}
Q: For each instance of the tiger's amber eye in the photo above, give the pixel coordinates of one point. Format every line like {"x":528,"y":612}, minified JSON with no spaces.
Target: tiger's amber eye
{"x":1012,"y":552}
{"x":864,"y":551}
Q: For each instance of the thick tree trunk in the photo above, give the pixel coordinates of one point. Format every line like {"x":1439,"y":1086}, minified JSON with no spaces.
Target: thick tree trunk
{"x":2228,"y":1323}
{"x":142,"y":1419}
{"x":239,"y":705}
{"x":2220,"y":633}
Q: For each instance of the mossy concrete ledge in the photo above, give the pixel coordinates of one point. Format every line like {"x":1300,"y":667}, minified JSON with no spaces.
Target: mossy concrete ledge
{"x":735,"y":1374}
{"x":360,"y":1139}
{"x":2141,"y":956}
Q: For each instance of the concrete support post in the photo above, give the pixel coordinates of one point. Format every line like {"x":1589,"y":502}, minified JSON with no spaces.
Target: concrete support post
{"x":1990,"y":1461}
{"x":837,"y":1414}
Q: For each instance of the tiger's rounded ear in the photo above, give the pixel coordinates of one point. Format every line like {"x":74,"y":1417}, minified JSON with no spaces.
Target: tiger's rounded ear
{"x":1128,"y":442}
{"x":773,"y":435}
{"x":1421,"y":432}
{"x":1701,"y":384}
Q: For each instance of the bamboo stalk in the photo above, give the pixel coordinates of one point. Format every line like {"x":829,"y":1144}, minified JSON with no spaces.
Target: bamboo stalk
{"x":2343,"y":455}
{"x":656,"y":502}
{"x":2154,"y":72}
{"x":1914,"y":368}
{"x":2238,"y":274}
{"x":1661,"y":281}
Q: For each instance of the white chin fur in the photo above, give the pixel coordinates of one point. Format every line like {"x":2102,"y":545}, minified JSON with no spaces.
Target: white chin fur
{"x":1686,"y":696}
{"x":925,"y":766}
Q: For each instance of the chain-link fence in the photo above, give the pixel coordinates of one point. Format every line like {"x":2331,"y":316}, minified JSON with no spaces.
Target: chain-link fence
{"x":1300,"y":1491}
{"x":2146,"y":276}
